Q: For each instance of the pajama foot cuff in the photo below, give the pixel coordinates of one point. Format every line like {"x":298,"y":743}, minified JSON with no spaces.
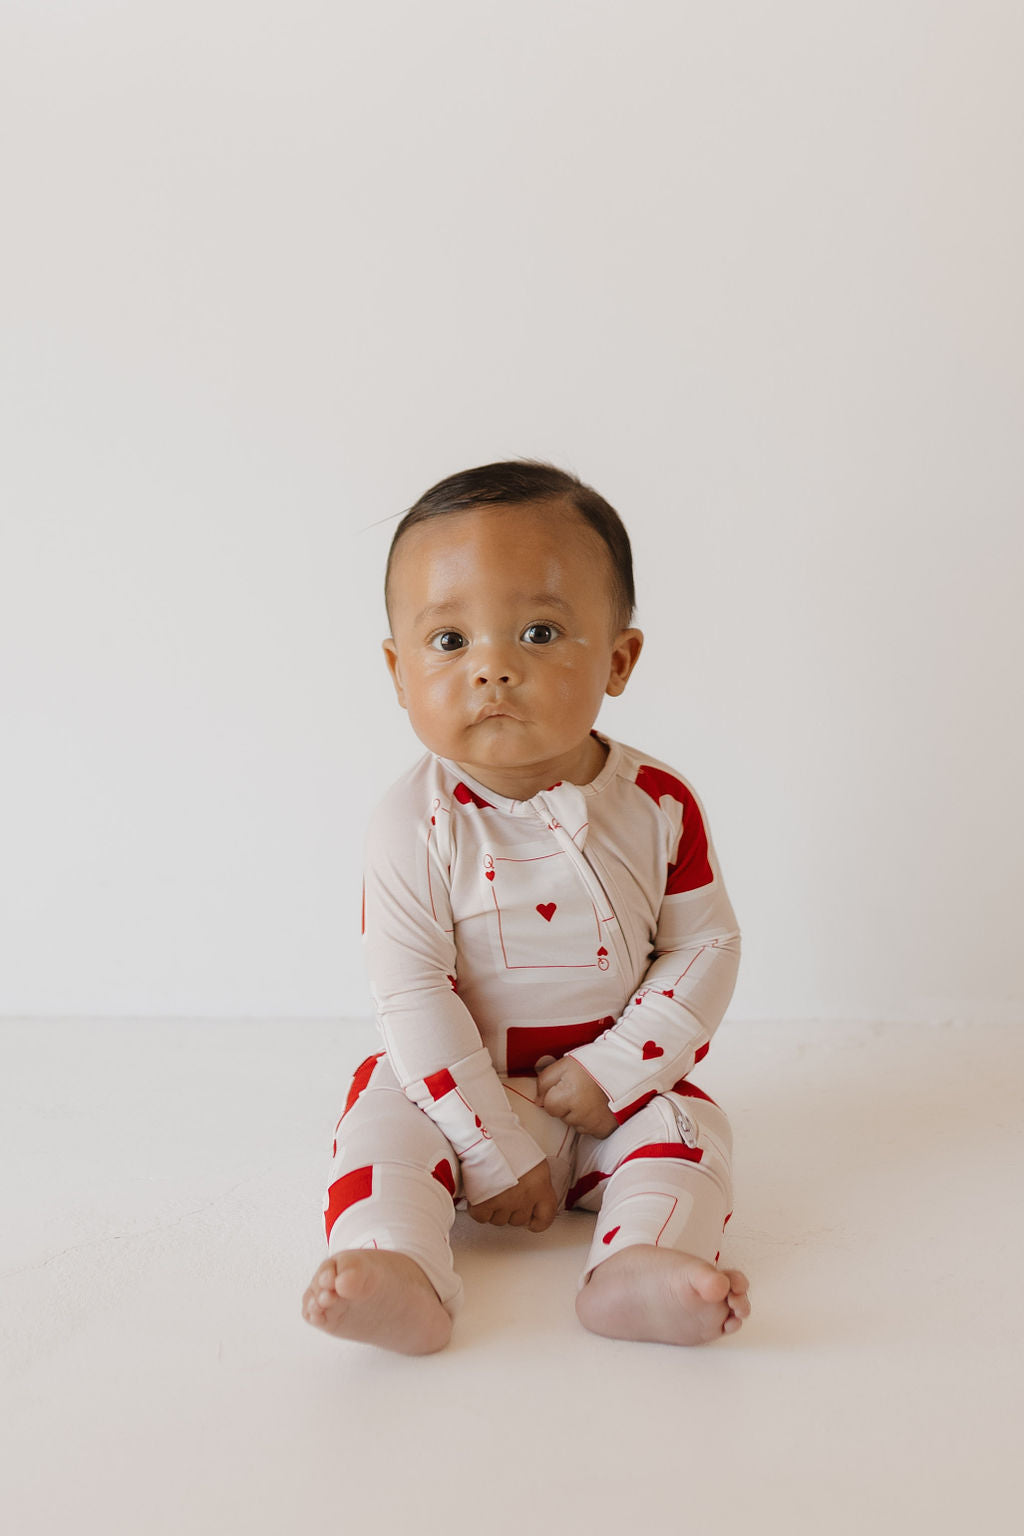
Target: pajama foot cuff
{"x":684,"y":1208}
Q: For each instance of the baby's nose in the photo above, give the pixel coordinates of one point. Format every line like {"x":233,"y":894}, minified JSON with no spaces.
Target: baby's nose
{"x":495,"y":665}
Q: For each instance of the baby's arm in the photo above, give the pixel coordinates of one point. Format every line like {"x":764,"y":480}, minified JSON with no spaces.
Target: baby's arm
{"x":668,"y":1022}
{"x":432,"y":1040}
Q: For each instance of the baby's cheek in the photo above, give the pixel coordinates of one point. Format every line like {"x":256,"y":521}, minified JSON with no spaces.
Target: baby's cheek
{"x":567,"y":687}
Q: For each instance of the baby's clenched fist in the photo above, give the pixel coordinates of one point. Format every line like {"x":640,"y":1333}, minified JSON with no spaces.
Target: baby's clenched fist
{"x":569,"y":1093}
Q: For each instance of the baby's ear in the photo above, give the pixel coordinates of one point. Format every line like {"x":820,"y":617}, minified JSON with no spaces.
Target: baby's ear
{"x":626,"y":648}
{"x":391,"y":657}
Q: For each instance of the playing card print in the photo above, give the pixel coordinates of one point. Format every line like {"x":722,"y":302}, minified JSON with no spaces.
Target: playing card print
{"x":544,"y":918}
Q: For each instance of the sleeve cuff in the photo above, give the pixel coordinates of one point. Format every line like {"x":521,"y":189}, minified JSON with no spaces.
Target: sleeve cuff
{"x":467,"y":1103}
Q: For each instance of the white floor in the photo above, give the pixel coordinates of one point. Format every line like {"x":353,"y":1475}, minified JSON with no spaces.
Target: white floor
{"x":162,"y":1197}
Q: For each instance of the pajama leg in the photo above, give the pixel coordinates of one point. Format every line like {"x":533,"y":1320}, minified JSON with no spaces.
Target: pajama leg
{"x":394,"y":1180}
{"x":662,"y":1179}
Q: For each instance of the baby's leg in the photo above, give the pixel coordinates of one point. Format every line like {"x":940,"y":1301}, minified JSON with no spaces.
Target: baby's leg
{"x":390,"y":1279}
{"x":662,"y":1183}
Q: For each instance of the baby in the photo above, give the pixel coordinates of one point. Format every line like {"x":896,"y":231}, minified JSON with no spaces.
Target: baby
{"x":549,"y":941}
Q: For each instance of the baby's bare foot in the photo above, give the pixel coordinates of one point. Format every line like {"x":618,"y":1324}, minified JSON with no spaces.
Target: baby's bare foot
{"x":663,"y":1297}
{"x":380,"y":1298}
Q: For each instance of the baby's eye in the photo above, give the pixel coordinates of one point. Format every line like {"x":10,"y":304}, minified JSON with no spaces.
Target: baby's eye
{"x":539,"y":634}
{"x":448,"y":640}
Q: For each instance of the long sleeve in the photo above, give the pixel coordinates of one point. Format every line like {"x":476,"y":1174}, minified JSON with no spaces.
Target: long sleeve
{"x":432,"y":1041}
{"x":671,"y":1016}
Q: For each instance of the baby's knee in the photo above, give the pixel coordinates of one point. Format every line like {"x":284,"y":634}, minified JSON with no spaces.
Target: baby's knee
{"x":699,"y":1120}
{"x":385,"y":1126}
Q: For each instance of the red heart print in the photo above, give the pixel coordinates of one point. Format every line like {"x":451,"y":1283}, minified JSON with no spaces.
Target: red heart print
{"x":669,"y":993}
{"x":489,"y":873}
{"x":651,"y":1050}
{"x":602,"y":950}
{"x":610,"y":1236}
{"x":547,"y":909}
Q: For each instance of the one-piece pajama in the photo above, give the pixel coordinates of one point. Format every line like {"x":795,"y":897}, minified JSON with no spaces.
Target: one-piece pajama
{"x":588,"y":921}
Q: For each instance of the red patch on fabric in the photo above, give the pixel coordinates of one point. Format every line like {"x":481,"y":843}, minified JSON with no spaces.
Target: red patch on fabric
{"x":588,"y":1182}
{"x":465,"y":796}
{"x":439,"y":1083}
{"x":727,"y":1220}
{"x":547,"y":909}
{"x":622,"y":1115}
{"x":602,"y":950}
{"x":691,"y":1091}
{"x":669,"y":993}
{"x":610,"y":1237}
{"x":700,"y":1053}
{"x":346,"y":1191}
{"x":673,"y":1149}
{"x":524,"y":1046}
{"x":489,"y":873}
{"x":444,"y":1175}
{"x":454,"y":985}
{"x":691,"y":867}
{"x":651,"y":1051}
{"x":363,"y":1073}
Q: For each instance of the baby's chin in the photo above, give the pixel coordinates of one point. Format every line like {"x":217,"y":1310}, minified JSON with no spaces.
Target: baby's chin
{"x":520,"y":776}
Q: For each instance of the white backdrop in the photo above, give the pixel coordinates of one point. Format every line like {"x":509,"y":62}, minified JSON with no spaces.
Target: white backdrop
{"x":753,"y":270}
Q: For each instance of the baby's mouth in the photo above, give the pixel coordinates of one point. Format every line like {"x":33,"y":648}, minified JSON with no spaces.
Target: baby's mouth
{"x":494,"y":712}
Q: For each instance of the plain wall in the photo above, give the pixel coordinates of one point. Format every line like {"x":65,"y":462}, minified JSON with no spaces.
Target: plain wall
{"x":270,"y":270}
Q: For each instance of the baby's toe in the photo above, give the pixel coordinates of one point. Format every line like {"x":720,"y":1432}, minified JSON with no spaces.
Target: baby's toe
{"x":710,"y":1283}
{"x":311,"y":1308}
{"x":738,"y":1299}
{"x":321,"y":1292}
{"x":322,"y":1286}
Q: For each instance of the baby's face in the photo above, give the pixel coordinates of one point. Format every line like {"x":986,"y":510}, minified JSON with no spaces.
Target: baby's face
{"x":505,"y":642}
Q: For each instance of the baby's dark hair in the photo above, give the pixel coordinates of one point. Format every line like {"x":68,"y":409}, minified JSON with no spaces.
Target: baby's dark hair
{"x":522,"y":480}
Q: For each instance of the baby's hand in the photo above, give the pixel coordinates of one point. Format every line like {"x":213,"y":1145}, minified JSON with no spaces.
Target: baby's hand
{"x":570,"y":1094}
{"x":530,"y":1203}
